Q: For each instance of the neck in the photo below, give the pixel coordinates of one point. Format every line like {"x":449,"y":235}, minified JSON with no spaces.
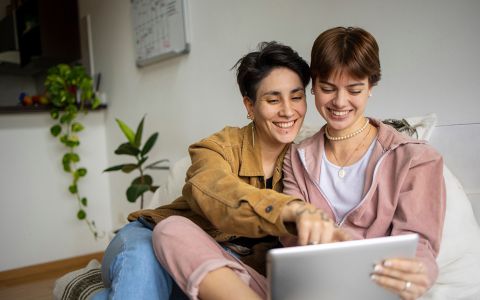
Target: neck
{"x":270,"y":155}
{"x":348,"y":135}
{"x":348,"y":151}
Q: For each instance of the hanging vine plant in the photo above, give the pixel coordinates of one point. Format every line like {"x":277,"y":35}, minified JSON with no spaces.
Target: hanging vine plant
{"x":70,"y":91}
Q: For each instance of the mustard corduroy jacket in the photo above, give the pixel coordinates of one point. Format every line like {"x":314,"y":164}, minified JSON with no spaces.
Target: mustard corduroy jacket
{"x":225,"y":194}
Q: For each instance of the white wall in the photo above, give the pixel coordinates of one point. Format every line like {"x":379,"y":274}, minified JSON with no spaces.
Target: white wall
{"x":428,"y":51}
{"x":38,"y":215}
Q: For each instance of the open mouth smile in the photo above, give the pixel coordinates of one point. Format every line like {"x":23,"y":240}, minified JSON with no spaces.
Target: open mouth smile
{"x":338,"y":113}
{"x":284,"y":125}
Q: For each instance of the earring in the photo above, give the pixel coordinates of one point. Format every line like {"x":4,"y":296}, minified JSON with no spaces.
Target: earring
{"x":249,"y":117}
{"x":311,"y":91}
{"x":370,"y":94}
{"x":253,"y":134}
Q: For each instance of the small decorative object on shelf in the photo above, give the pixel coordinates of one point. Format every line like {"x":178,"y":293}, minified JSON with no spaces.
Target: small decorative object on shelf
{"x":70,"y":92}
{"x":133,"y":147}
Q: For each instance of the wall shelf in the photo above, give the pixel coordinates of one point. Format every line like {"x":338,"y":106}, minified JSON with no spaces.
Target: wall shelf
{"x":36,"y":109}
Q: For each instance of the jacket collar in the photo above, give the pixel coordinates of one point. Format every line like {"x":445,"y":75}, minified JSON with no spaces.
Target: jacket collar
{"x":251,"y":164}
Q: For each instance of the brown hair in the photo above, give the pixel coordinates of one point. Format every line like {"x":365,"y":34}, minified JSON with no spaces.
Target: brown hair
{"x":352,"y":50}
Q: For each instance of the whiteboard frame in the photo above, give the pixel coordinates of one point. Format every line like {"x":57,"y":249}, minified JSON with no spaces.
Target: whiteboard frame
{"x":184,"y":47}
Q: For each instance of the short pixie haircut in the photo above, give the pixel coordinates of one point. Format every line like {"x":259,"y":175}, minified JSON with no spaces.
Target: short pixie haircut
{"x":257,"y":65}
{"x":352,"y":50}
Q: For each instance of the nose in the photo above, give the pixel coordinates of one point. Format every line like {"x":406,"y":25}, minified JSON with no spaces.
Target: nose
{"x":286,"y":110}
{"x":341,"y":98}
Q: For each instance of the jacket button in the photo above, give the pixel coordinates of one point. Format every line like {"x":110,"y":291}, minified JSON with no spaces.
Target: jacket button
{"x":268,"y":208}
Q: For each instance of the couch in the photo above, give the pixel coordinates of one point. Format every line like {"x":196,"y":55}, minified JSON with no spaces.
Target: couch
{"x":459,"y":257}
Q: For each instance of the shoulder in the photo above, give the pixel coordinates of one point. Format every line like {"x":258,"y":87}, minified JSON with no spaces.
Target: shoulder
{"x":405,"y":146}
{"x":227,"y":137}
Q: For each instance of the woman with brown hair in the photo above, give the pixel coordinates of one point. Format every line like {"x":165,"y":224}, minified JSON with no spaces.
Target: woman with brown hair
{"x":368,"y":178}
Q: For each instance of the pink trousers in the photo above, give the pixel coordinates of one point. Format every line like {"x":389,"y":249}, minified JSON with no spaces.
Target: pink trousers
{"x":188,"y":253}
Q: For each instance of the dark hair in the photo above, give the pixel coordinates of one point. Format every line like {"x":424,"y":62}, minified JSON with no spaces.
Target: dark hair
{"x":255,"y":66}
{"x":351,"y":49}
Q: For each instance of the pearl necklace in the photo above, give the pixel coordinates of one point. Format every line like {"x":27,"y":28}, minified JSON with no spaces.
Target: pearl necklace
{"x":345,"y":137}
{"x":342,"y":172}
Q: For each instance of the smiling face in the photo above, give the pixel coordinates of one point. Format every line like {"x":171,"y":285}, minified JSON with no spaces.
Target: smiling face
{"x":341,"y":100}
{"x":279,"y":108}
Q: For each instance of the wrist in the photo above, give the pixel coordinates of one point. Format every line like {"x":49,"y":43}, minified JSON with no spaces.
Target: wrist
{"x":289,"y":210}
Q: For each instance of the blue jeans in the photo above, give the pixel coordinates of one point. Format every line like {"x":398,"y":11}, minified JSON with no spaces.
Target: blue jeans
{"x":130,"y":269}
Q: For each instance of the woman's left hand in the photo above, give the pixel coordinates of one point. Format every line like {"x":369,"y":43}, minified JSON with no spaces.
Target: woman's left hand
{"x":406,"y":277}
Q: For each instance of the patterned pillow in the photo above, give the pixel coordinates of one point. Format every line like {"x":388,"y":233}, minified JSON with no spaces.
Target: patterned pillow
{"x":80,"y":284}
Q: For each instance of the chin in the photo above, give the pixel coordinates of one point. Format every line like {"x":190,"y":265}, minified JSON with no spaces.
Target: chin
{"x":287,"y":138}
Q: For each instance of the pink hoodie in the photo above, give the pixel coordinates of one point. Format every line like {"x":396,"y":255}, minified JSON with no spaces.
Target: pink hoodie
{"x":404,"y":191}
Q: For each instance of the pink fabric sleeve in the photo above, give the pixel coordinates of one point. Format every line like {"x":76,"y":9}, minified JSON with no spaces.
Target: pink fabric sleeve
{"x":189,"y":254}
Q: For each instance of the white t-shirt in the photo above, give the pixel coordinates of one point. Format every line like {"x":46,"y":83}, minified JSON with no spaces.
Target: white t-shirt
{"x":345,"y":193}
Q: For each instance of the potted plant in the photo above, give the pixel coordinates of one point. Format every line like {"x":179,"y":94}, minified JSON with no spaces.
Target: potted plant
{"x":70,"y":92}
{"x":135,"y":148}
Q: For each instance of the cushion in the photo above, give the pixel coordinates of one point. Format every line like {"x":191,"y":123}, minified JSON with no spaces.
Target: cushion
{"x":459,"y":257}
{"x":80,"y":284}
{"x":173,"y":187}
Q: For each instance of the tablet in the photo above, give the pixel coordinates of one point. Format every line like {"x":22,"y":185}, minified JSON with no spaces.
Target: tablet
{"x":334,"y":271}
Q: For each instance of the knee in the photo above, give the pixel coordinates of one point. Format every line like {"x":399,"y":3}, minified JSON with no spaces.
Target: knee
{"x":172,"y":226}
{"x":172,"y":229}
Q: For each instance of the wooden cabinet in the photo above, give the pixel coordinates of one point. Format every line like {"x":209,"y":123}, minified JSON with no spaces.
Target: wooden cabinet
{"x":47,"y":32}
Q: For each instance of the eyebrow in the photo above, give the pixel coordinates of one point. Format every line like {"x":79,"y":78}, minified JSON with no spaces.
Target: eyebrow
{"x":350,"y":85}
{"x":277,"y":93}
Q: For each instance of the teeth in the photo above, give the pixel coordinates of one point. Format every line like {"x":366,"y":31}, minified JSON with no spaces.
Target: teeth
{"x":285,"y":124}
{"x":339,"y":113}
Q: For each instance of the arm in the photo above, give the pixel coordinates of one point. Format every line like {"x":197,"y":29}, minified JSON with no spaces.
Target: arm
{"x":421,"y":209}
{"x":312,"y":224}
{"x":215,"y":190}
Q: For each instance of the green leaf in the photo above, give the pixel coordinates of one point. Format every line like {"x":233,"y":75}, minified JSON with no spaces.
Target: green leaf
{"x":81,"y":172}
{"x":149,"y":144}
{"x":67,"y":157}
{"x":54,"y":114}
{"x":129,"y":134}
{"x":66,"y":160}
{"x":66,"y":167}
{"x":72,"y":141}
{"x":96,"y":102}
{"x":55,"y":130}
{"x":135,"y":191}
{"x":66,"y":118}
{"x":74,"y":157}
{"x":153,"y":188}
{"x":138,"y":135}
{"x":127,"y":149}
{"x":147,"y":179}
{"x":77,"y":127}
{"x":127,"y":168}
{"x":114,"y":168}
{"x":81,"y":214}
{"x":73,"y":189}
{"x":84,"y":201}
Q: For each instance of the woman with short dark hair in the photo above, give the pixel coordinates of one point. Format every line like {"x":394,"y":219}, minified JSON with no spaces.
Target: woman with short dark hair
{"x":232,"y":210}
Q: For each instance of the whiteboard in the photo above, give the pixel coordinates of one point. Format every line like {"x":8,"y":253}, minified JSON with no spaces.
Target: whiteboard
{"x":160,"y":29}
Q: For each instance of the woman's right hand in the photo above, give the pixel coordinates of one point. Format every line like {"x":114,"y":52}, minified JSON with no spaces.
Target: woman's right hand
{"x":313,"y":225}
